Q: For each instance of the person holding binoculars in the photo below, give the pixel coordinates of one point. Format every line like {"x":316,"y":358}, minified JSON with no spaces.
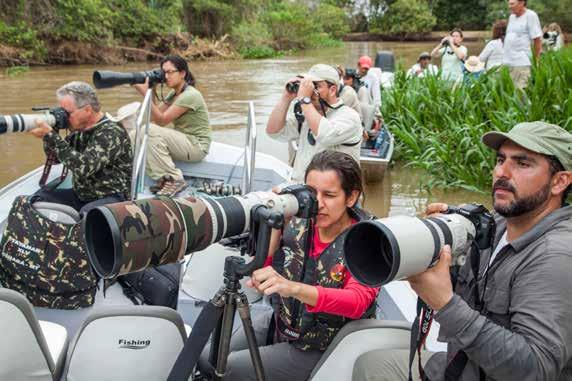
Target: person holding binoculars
{"x":452,"y":54}
{"x":320,"y":120}
{"x":185,"y":109}
{"x":312,"y":292}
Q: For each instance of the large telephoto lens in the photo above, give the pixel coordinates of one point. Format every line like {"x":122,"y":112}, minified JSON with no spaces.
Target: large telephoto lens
{"x":23,"y":122}
{"x":103,"y":79}
{"x":130,"y":236}
{"x":380,"y":251}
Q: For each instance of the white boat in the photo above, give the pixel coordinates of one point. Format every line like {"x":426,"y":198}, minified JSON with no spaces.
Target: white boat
{"x":123,"y":336}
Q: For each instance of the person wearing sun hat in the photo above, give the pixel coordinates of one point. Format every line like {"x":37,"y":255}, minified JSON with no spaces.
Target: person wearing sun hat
{"x":473,"y":68}
{"x":517,"y":326}
{"x":322,"y":122}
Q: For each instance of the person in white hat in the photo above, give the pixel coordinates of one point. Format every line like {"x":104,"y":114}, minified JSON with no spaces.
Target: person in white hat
{"x":320,"y":120}
{"x":473,"y":68}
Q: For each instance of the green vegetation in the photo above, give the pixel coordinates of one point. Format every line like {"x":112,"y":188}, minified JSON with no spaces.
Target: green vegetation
{"x":257,"y":28}
{"x":438,"y":126}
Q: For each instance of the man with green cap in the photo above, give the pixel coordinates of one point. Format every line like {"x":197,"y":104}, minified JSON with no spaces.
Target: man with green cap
{"x":319,"y":121}
{"x":511,"y":318}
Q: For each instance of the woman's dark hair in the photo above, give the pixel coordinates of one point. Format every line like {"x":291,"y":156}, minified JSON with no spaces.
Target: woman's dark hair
{"x":499,"y":29}
{"x":556,"y":166}
{"x":181,"y":64}
{"x":344,"y":165}
{"x":458,"y":30}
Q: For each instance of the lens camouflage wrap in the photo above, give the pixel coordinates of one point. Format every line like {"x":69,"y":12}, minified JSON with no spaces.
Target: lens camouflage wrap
{"x":45,"y":260}
{"x":130,"y":236}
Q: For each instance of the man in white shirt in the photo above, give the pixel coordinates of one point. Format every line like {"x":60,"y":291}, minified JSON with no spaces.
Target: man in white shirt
{"x":320,"y":121}
{"x":373,"y":84}
{"x":523,"y":28}
{"x":423,"y":66}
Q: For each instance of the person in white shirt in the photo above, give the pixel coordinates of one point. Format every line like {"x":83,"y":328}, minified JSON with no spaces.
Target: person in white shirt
{"x":452,"y":55}
{"x":423,"y":67}
{"x":493,"y":52}
{"x":523,"y":28}
{"x":322,"y":122}
{"x":373,"y":82}
{"x":552,"y":37}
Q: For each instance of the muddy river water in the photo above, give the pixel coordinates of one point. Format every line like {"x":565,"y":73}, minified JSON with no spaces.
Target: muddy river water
{"x":226,"y":87}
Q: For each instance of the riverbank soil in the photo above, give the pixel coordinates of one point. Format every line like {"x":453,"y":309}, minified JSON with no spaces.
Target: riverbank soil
{"x":73,"y":52}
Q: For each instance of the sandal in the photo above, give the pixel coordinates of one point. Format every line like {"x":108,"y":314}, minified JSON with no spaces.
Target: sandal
{"x":172,"y":187}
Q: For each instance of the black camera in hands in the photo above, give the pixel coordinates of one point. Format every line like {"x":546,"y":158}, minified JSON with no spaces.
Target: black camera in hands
{"x":445,"y":42}
{"x":103,"y":79}
{"x":482,"y":219}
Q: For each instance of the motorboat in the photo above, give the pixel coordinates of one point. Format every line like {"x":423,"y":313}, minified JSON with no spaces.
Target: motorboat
{"x":115,"y":331}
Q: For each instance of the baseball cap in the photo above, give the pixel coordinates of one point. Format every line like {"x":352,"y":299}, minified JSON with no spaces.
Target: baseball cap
{"x":323,"y":72}
{"x":423,"y":55}
{"x":365,"y":61}
{"x":540,"y":137}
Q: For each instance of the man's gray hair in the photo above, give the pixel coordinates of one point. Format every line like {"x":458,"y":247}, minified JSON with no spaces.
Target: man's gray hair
{"x":82,"y":93}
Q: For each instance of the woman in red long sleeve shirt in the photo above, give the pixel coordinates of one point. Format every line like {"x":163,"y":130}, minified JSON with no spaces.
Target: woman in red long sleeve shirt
{"x":313,"y":293}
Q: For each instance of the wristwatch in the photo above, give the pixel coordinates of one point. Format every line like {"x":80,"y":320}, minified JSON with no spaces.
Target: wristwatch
{"x":306,"y":100}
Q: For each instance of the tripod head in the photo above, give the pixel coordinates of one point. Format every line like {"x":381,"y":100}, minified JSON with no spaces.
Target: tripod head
{"x":257,"y":244}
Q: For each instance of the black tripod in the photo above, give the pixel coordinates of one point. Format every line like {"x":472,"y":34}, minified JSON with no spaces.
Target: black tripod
{"x":218,"y":315}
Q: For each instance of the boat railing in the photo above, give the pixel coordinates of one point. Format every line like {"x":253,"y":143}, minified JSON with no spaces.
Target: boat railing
{"x":140,"y":145}
{"x":249,"y":151}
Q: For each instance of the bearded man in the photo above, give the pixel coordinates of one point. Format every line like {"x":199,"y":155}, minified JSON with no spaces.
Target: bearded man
{"x":510,"y":318}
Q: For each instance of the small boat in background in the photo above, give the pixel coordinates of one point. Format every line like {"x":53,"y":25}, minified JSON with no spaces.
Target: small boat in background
{"x":375,"y":155}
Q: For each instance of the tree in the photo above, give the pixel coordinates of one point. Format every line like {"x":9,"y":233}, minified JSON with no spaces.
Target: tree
{"x":407,"y":16}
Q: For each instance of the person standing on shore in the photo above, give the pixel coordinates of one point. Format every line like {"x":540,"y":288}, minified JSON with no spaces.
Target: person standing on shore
{"x":523,"y":28}
{"x":452,"y":54}
{"x":492,"y":54}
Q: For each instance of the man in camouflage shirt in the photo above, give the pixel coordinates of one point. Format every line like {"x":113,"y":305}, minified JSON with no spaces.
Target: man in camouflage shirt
{"x":97,"y":152}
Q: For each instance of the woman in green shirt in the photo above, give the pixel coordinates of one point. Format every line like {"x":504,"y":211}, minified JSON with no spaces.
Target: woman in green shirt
{"x":183,"y":131}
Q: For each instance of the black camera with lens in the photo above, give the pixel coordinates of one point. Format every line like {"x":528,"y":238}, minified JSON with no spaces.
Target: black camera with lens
{"x":306,"y":196}
{"x":103,"y":79}
{"x":445,"y":42}
{"x":57,"y":118}
{"x":482,"y":219}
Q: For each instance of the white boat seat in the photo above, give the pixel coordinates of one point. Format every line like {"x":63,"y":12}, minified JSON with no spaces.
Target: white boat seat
{"x":356,"y":338}
{"x":57,"y":212}
{"x":128,"y":343}
{"x":29,"y":349}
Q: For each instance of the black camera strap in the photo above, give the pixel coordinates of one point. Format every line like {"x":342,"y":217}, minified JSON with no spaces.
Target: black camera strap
{"x":419,"y":331}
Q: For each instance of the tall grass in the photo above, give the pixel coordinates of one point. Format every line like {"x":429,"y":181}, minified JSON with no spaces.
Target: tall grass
{"x":438,"y":126}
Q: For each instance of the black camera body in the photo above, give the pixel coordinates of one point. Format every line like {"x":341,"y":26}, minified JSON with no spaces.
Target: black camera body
{"x":306,"y":197}
{"x":103,"y":79}
{"x":482,"y":219}
{"x":445,"y":42}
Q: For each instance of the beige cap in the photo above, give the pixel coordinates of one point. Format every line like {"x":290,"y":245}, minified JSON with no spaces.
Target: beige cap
{"x":540,"y":137}
{"x":323,"y":72}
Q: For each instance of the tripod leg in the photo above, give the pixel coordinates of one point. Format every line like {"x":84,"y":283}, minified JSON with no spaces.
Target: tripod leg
{"x":244,"y":313}
{"x":225,"y":336}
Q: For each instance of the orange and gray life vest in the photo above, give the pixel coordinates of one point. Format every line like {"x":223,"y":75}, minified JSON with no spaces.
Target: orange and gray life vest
{"x":306,"y":330}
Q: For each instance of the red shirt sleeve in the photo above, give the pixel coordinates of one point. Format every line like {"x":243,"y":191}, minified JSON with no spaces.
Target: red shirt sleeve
{"x":351,"y":301}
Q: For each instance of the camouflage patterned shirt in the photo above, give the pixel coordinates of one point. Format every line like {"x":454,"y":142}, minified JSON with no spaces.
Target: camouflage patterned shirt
{"x":99,"y":158}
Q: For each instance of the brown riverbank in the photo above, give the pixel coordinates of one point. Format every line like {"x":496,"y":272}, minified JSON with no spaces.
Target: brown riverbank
{"x":73,"y":52}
